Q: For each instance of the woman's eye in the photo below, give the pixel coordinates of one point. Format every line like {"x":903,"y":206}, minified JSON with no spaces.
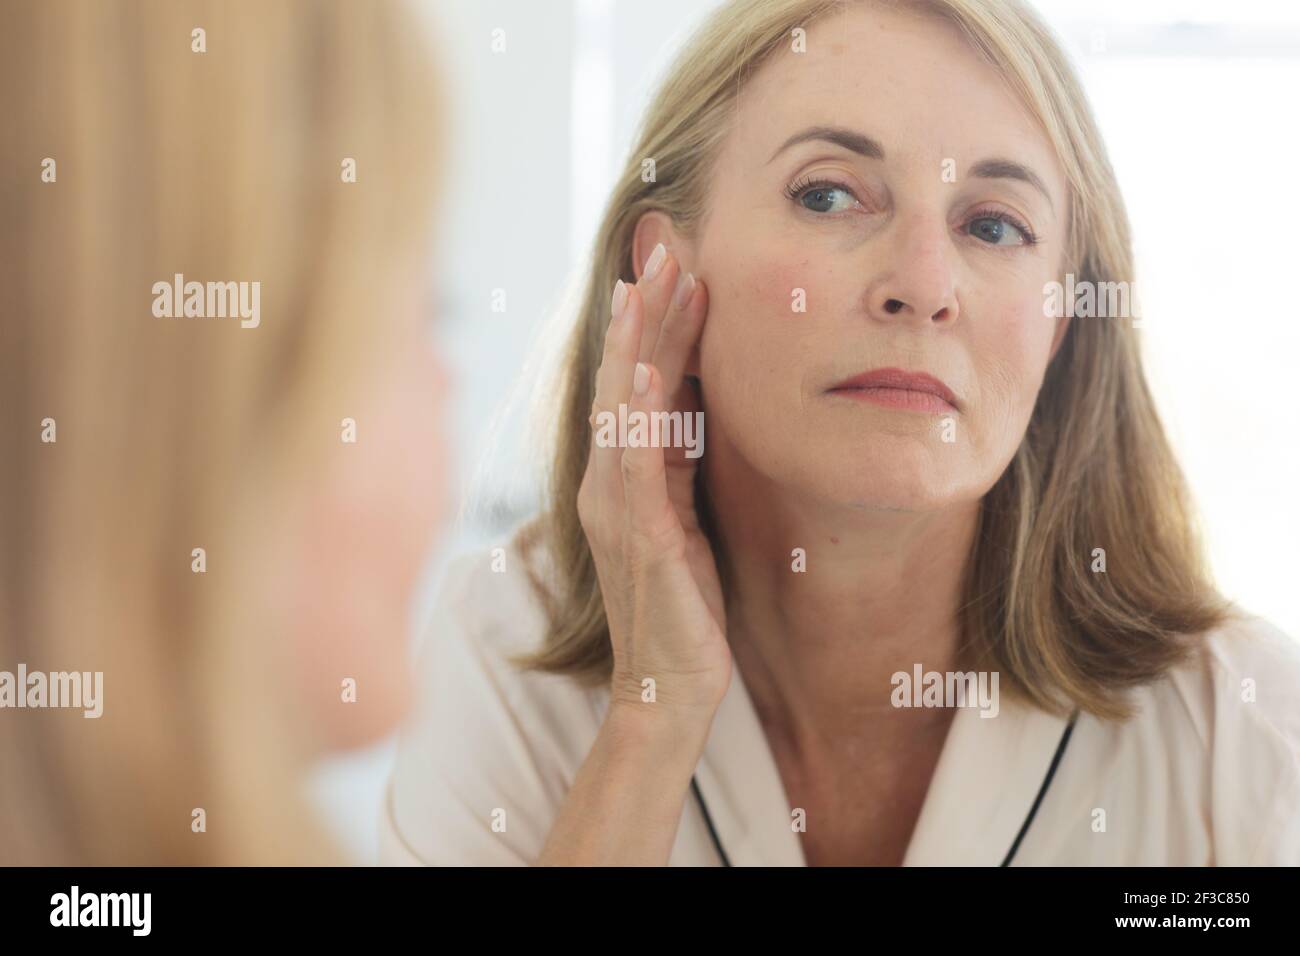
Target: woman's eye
{"x":825,"y":198}
{"x":996,"y":232}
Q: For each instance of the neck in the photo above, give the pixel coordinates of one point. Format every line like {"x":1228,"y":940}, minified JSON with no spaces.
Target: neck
{"x":880,"y":594}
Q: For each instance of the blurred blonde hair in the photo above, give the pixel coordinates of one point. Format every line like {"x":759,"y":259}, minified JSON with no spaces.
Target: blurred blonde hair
{"x":1094,"y":469}
{"x":181,"y":433}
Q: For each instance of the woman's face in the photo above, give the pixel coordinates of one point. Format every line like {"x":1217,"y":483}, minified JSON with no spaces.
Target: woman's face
{"x":917,"y":235}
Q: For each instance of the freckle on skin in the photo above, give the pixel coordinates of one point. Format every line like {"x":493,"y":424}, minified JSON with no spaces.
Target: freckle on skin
{"x":834,"y":540}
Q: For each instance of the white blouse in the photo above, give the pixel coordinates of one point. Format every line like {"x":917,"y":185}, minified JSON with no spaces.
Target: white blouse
{"x":1206,"y":773}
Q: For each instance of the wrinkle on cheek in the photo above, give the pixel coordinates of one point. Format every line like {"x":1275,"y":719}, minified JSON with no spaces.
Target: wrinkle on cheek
{"x":1003,"y":384}
{"x":1006,"y":354}
{"x":1010,"y":379}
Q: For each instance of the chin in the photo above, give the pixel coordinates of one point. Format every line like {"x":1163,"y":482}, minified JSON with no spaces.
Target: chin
{"x":365,"y":722}
{"x":890,"y":480}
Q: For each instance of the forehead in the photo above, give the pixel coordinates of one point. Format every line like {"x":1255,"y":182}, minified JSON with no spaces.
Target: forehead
{"x":907,"y":78}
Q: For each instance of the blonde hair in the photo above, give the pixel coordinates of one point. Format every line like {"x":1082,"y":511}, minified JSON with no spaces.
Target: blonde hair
{"x":176,"y":433}
{"x":1093,"y":470}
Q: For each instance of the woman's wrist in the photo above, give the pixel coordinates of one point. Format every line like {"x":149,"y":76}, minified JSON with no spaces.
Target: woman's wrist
{"x":626,"y":803}
{"x":672,"y":736}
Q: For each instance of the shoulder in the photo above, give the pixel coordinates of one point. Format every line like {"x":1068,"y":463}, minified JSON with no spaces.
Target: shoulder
{"x":1228,"y":722}
{"x":1245,"y":672}
{"x":1245,"y":677}
{"x":489,"y":741}
{"x":1254,"y":669}
{"x":491,"y":609}
{"x":1251,"y":653}
{"x":497,"y":584}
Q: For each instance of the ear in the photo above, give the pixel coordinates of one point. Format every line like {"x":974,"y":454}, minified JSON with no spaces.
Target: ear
{"x":653,"y":228}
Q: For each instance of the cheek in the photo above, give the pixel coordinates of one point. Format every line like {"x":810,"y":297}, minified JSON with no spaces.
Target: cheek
{"x":345,"y":626}
{"x":787,"y":290}
{"x":1010,"y":352}
{"x":410,"y":452}
{"x":761,"y":314}
{"x":368,"y":529}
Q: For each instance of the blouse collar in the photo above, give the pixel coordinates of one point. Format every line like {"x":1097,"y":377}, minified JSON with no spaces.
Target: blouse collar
{"x":984,"y":786}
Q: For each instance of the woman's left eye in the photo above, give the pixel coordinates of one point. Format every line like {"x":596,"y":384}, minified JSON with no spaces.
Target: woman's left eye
{"x":999,"y":231}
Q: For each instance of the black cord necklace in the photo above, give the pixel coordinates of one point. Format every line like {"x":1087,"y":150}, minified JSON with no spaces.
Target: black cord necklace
{"x":1011,"y":853}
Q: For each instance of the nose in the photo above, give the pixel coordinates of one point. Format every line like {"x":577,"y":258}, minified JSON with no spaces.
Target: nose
{"x":916,"y":279}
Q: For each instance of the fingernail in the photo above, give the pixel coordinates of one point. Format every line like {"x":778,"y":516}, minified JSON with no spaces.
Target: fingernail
{"x":620,"y":299}
{"x":641,"y":379}
{"x":656,"y":261}
{"x":685,"y":286}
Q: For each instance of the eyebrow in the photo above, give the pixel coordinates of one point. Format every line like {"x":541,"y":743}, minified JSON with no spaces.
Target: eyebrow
{"x":847,"y":138}
{"x":863,"y":145}
{"x":1006,"y":169}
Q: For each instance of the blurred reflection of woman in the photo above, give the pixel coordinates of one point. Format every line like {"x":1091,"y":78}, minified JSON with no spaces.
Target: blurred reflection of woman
{"x":181,"y":510}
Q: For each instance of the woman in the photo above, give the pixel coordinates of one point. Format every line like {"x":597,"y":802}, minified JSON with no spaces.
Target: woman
{"x":922,"y":486}
{"x":184,"y":511}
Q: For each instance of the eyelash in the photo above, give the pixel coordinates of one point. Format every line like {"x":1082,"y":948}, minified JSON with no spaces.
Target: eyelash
{"x":1031,"y":238}
{"x":801,"y":186}
{"x":797,"y":188}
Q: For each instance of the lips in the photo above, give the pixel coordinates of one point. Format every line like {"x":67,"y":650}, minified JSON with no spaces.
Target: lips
{"x":899,"y":388}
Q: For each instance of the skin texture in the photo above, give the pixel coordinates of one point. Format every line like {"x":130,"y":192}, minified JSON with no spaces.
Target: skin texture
{"x":883,"y":507}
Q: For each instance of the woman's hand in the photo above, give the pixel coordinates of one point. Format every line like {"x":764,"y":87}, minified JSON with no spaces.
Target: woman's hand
{"x":663,"y":599}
